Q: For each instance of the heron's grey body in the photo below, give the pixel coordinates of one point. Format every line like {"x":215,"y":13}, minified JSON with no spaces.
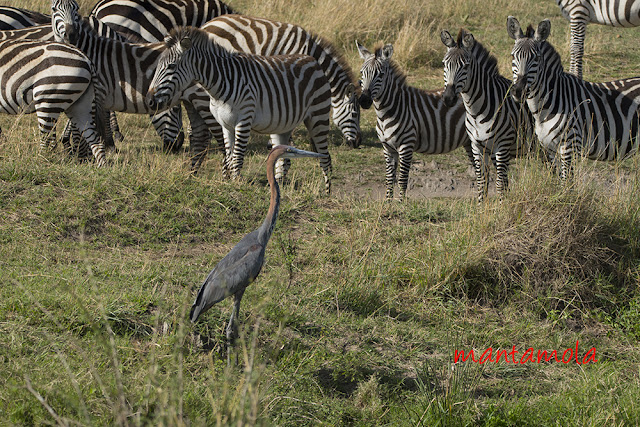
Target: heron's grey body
{"x":239,"y":268}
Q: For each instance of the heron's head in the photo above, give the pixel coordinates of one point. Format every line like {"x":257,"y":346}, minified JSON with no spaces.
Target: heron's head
{"x":288,"y":152}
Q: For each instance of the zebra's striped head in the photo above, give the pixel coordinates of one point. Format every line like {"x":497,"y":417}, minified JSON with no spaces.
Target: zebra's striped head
{"x":374,"y":73}
{"x":172,"y":74}
{"x":456,"y":65}
{"x":526,"y":56}
{"x":346,"y":115}
{"x":65,"y":20}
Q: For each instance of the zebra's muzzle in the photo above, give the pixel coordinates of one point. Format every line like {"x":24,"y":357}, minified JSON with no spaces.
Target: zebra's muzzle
{"x":154,"y":103}
{"x":517,"y":90}
{"x":355,"y":143}
{"x":365,"y":100}
{"x":449,"y":96}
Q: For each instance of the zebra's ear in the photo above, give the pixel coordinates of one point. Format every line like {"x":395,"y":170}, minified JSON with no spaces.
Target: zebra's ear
{"x":351,"y":91}
{"x":468,"y":41}
{"x":543,"y":31}
{"x":447,"y":39}
{"x":185,"y":43}
{"x":363,"y":51}
{"x":513,"y":28}
{"x":386,"y":52}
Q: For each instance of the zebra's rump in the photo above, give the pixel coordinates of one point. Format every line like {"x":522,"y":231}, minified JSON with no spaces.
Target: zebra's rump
{"x":48,"y":73}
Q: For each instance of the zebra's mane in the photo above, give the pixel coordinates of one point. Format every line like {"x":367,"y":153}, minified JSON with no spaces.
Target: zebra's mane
{"x":530,"y":32}
{"x":482,"y":54}
{"x":198,"y":38}
{"x":337,"y":56}
{"x":551,"y":54}
{"x":401,"y":76}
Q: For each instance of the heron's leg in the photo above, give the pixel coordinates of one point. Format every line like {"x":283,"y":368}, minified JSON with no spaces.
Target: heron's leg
{"x":232,"y":327}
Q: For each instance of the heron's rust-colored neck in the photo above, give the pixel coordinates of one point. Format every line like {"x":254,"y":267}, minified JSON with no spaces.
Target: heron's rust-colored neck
{"x":272,"y":213}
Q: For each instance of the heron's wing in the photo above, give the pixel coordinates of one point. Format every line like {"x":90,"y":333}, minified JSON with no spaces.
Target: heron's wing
{"x":234,"y":272}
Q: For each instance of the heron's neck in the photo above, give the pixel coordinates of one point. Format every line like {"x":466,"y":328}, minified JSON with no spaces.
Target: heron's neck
{"x":272,"y":215}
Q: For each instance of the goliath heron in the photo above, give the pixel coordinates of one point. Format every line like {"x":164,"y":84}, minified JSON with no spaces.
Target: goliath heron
{"x":242,"y":265}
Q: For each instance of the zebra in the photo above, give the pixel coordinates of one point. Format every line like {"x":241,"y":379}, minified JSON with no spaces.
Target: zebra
{"x":266,"y":37}
{"x":572,"y":116}
{"x":150,"y":21}
{"x":616,"y":13}
{"x":50,"y":78}
{"x":123,"y":69}
{"x":266,"y":94}
{"x":496,"y":124}
{"x":13,"y":18}
{"x":408,"y":119}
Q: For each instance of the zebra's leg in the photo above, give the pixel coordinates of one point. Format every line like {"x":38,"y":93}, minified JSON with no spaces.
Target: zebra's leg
{"x":578,"y":31}
{"x":481,"y":169}
{"x":404,"y":164}
{"x":239,"y":137}
{"x":318,"y":127}
{"x":85,"y":118}
{"x":566,"y":168}
{"x":115,"y":127}
{"x":501,"y":162}
{"x":282,"y":165}
{"x":47,"y":126}
{"x":391,"y":163}
{"x":200,"y":137}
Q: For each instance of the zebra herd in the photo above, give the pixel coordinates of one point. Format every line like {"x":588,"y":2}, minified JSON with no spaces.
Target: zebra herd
{"x":255,"y":74}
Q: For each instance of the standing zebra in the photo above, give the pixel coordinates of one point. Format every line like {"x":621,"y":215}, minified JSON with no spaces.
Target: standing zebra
{"x":497,"y":125}
{"x":266,"y":94}
{"x":50,"y":78}
{"x":266,"y":37}
{"x":151,"y":21}
{"x":617,"y":13}
{"x":13,"y":18}
{"x":597,"y":120}
{"x":408,"y":119}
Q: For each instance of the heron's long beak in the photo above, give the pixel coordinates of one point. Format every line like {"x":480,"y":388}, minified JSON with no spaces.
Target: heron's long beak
{"x":293,"y":152}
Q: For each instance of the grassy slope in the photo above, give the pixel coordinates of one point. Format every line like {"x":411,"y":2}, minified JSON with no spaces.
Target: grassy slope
{"x":361,"y":304}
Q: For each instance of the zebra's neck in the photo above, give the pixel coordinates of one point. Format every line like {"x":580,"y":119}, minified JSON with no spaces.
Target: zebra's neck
{"x":393,"y":88}
{"x":212,"y":67}
{"x":485,"y":81}
{"x":546,"y":92}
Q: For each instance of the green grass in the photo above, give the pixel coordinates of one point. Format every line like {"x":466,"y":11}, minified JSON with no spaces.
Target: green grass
{"x":361,"y":305}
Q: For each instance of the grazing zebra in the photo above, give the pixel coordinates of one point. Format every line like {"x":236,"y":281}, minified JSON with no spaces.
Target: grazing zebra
{"x":597,"y":120}
{"x":123,"y":69}
{"x":497,"y":125}
{"x":408,"y":119}
{"x":151,"y":21}
{"x":12,"y":18}
{"x":50,"y":78}
{"x":617,"y":13}
{"x":266,"y":94}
